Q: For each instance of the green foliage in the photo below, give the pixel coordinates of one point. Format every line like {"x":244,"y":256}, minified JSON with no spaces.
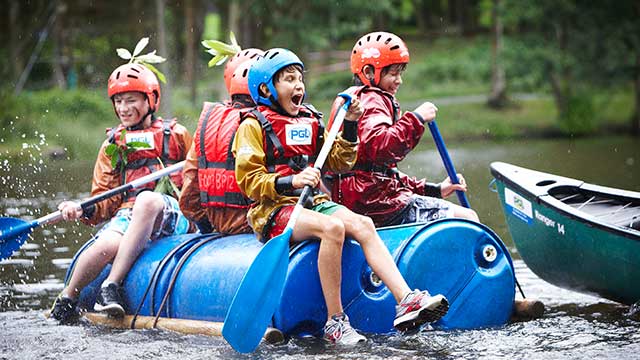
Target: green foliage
{"x":73,"y":119}
{"x":146,"y":59}
{"x":579,"y":117}
{"x":221,"y":51}
{"x":119,"y":154}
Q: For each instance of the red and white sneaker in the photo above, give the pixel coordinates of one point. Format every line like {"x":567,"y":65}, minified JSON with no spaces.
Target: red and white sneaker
{"x":338,"y":331}
{"x":418,"y":308}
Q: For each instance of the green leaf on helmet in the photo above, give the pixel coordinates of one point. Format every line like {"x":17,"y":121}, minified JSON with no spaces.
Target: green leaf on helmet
{"x":140,"y":46}
{"x":160,"y":75}
{"x":124,"y":53}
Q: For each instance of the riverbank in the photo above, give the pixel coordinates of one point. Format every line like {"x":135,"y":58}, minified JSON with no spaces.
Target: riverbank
{"x":71,"y":124}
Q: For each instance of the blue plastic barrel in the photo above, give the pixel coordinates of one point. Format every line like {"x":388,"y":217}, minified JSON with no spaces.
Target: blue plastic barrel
{"x":461,"y":259}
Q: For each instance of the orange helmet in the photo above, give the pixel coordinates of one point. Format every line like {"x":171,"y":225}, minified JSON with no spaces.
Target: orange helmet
{"x":240,"y":80}
{"x":378,"y":49}
{"x":236,"y":60}
{"x":135,"y":77}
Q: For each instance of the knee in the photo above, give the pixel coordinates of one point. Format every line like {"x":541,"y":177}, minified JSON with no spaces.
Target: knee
{"x":363,"y":224}
{"x":334,"y":230}
{"x":470,"y":214}
{"x":148,"y":202}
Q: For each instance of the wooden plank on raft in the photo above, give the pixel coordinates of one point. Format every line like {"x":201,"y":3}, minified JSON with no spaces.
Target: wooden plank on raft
{"x":183,"y":326}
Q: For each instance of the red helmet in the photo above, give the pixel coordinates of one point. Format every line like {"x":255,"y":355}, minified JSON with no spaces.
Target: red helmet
{"x":236,"y":60}
{"x":135,"y":77}
{"x":378,"y":49}
{"x":240,"y":80}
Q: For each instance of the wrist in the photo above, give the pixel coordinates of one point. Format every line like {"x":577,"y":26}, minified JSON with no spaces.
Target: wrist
{"x":433,"y":190}
{"x":284,"y":183}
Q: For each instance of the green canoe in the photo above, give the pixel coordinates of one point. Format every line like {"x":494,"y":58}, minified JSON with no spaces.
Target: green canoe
{"x":574,"y":235}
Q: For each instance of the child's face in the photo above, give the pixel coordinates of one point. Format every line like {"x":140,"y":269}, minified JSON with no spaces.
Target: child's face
{"x":391,"y":80}
{"x":130,"y":107}
{"x":290,"y":88}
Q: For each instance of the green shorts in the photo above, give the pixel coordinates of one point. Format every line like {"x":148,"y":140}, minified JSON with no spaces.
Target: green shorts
{"x":327,"y":208}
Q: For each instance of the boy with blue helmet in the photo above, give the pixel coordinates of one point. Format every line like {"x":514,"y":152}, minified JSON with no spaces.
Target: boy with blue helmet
{"x":275,"y":148}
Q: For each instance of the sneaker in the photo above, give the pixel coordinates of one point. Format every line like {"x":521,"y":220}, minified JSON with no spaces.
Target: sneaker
{"x":418,"y":308}
{"x":338,"y":331}
{"x":110,"y":300}
{"x":65,"y":310}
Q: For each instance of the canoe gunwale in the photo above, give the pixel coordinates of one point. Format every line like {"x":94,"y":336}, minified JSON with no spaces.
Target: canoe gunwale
{"x":550,"y":202}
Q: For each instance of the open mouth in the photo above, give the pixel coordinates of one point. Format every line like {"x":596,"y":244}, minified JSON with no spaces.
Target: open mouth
{"x":296,"y":100}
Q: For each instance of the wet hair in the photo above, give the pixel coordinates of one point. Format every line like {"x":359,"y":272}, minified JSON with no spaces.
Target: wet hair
{"x":242,"y":99}
{"x":385,"y":70}
{"x":287,"y":69}
{"x":278,"y":75}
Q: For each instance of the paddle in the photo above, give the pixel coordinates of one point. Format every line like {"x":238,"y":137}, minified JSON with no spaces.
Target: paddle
{"x":451,"y":172}
{"x":261,"y":288}
{"x":448,"y":164}
{"x":14,"y":232}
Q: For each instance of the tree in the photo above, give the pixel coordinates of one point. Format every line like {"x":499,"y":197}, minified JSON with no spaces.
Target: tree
{"x":498,"y":96}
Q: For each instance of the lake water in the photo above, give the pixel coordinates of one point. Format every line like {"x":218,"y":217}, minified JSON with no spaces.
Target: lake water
{"x":574,"y":325}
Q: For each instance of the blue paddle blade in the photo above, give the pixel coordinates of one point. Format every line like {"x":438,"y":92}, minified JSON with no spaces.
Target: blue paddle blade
{"x":258,"y":295}
{"x":13,"y":233}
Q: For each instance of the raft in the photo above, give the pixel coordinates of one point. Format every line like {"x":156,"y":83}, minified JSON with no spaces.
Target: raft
{"x":197,"y":275}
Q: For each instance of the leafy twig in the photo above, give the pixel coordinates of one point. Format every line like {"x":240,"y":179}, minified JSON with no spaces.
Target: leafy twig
{"x":221,"y":51}
{"x":146,"y":59}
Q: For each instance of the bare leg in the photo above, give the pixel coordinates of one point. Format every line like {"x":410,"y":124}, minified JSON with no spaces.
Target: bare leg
{"x":331,"y":233}
{"x":147,"y":208}
{"x":91,"y":262}
{"x":465,"y":213}
{"x":362,"y":230}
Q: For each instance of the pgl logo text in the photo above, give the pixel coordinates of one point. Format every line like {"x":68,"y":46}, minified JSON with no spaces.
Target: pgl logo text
{"x":299,"y":134}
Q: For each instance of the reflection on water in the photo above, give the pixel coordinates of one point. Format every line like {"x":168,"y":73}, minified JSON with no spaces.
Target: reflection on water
{"x":574,"y":326}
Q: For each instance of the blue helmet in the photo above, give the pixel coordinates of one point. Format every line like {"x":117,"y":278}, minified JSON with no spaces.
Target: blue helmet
{"x":263,"y":70}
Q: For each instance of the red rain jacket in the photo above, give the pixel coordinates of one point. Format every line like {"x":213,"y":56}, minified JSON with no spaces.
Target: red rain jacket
{"x":375,"y":187}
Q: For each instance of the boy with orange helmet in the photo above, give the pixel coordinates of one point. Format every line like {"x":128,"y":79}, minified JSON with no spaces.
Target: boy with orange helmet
{"x":275,"y":148}
{"x":375,"y":187}
{"x":138,"y":216}
{"x":210,"y":196}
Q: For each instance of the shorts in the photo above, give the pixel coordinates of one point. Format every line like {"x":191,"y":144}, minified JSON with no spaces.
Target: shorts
{"x":172,"y":223}
{"x":425,"y":209}
{"x":280,"y":217}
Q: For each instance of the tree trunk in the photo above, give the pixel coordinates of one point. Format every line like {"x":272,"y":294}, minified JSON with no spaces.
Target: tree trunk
{"x":190,"y":49}
{"x":14,"y":45}
{"x":498,"y":97}
{"x":422,"y":16}
{"x":162,"y":50}
{"x":635,"y":119}
{"x":59,"y":58}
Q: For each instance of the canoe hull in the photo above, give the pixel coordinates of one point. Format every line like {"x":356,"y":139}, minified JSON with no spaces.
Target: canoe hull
{"x":444,"y":257}
{"x":562,"y":247}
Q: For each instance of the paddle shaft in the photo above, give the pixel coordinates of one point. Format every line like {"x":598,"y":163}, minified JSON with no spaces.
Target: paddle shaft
{"x":448,"y":164}
{"x":322,"y":157}
{"x":57,"y":215}
{"x":249,"y":314}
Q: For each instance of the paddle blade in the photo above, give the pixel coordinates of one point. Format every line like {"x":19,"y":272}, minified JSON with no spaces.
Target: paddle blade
{"x":258,"y":295}
{"x":13,"y":233}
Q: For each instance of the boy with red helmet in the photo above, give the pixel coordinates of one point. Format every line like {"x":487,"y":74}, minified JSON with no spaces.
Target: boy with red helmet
{"x":375,"y":187}
{"x":210,"y":196}
{"x":138,"y":216}
{"x":275,"y":148}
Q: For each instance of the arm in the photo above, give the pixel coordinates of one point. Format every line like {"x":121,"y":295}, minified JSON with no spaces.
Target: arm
{"x":104,"y":178}
{"x":190,"y":194}
{"x":251,"y":172}
{"x":387,"y":142}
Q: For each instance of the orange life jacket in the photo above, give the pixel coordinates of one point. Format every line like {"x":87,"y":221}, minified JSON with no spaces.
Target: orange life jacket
{"x":164,"y":147}
{"x":216,"y":165}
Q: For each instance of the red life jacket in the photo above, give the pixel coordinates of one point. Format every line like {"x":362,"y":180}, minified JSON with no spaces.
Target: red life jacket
{"x":164,"y":147}
{"x":216,"y":165}
{"x":290,"y":144}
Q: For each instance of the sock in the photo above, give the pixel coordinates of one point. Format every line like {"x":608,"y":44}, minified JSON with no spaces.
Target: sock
{"x":106,"y":284}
